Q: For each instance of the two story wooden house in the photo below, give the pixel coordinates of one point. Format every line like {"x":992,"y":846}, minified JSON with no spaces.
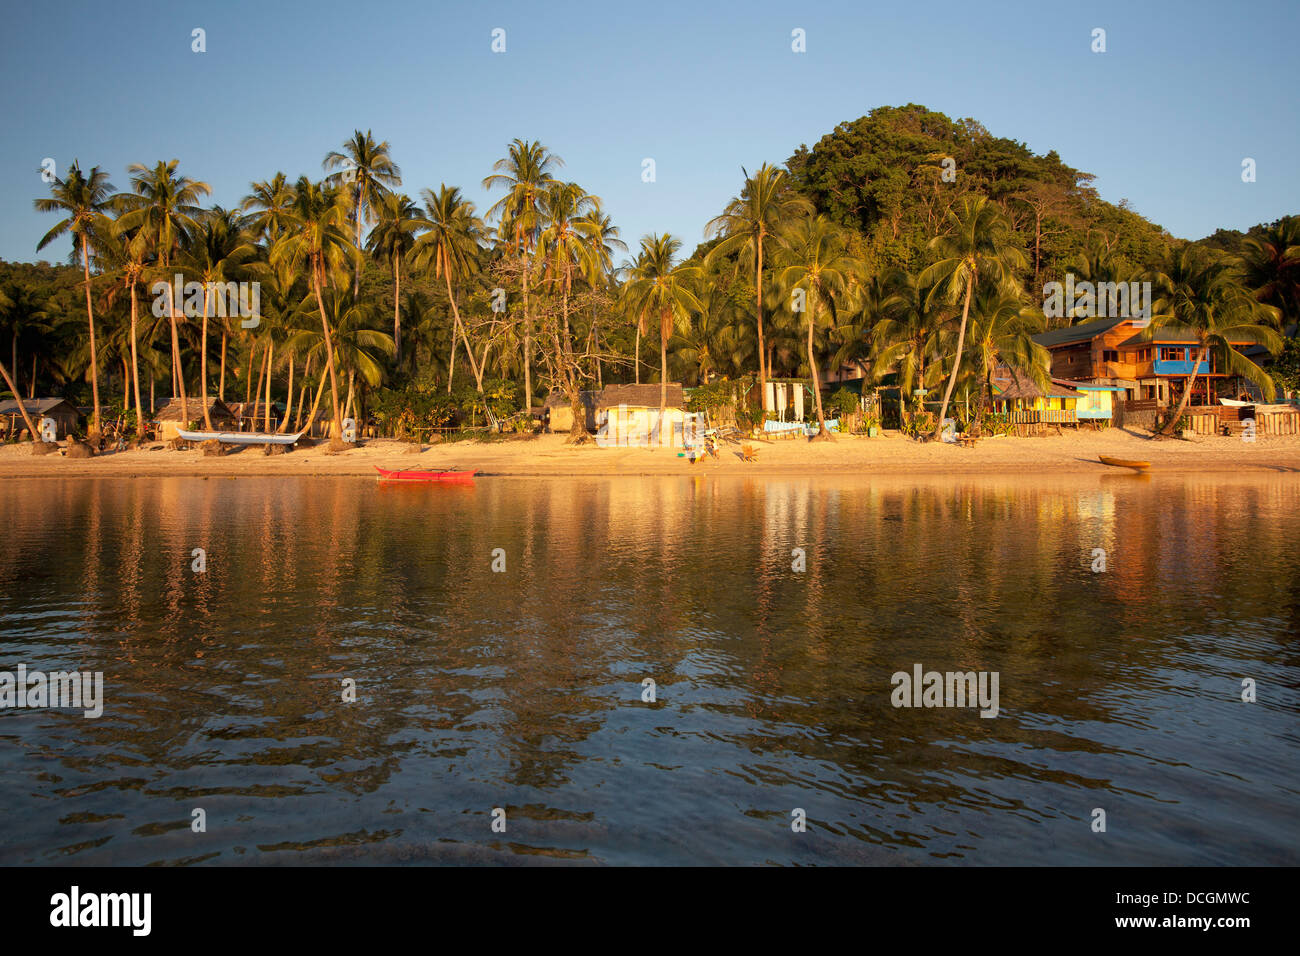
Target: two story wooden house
{"x":1114,"y":352}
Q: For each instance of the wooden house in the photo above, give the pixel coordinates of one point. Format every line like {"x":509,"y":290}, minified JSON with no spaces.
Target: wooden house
{"x":629,"y":415}
{"x":63,"y":412}
{"x":1029,"y":406}
{"x":557,"y":413}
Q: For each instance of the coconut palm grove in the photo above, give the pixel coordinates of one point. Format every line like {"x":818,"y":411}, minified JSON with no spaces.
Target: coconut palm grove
{"x":905,"y":244}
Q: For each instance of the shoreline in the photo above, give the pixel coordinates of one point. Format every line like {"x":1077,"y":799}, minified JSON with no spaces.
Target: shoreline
{"x":547,"y":456}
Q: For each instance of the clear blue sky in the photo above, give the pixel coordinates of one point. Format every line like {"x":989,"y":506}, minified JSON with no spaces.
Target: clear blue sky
{"x":1163,"y":118}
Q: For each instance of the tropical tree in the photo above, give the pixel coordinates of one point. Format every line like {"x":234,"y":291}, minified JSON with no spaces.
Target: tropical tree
{"x":269,"y":207}
{"x":390,"y":241}
{"x":165,"y":206}
{"x":660,"y":286}
{"x":366,"y":170}
{"x":1271,"y":266}
{"x":317,"y":240}
{"x":83,"y":200}
{"x":448,"y":248}
{"x":215,"y":255}
{"x":822,"y":270}
{"x":526,"y":172}
{"x":765,"y":204}
{"x":127,"y":252}
{"x":978,"y":248}
{"x":1202,"y":297}
{"x":1001,"y":333}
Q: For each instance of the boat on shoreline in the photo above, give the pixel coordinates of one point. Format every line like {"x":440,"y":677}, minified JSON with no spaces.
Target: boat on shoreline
{"x":388,"y":475}
{"x":241,"y":438}
{"x":1124,"y":463}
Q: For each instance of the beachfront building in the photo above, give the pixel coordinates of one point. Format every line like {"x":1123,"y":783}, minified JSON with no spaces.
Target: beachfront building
{"x":1117,"y":353}
{"x":1030,"y":407}
{"x":251,"y":416}
{"x":168,"y":418}
{"x":557,"y":413}
{"x":629,"y":415}
{"x":63,"y":412}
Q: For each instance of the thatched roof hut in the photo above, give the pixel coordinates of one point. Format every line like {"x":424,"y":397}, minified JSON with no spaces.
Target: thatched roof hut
{"x":169,"y":417}
{"x":63,"y":412}
{"x":640,"y":396}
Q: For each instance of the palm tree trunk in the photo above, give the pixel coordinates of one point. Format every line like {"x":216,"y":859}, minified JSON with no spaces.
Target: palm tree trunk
{"x":315,"y":406}
{"x":302,"y":393}
{"x":221,"y":382}
{"x":31,"y":428}
{"x":956,"y":362}
{"x":664,"y":331}
{"x":288,"y":408}
{"x":329,"y":350}
{"x":203,"y":363}
{"x":176,"y":359}
{"x":1187,"y":395}
{"x":94,"y":358}
{"x":397,"y":313}
{"x":822,"y":433}
{"x":352,"y":378}
{"x":528,"y":344}
{"x":257,"y":392}
{"x":248,"y":374}
{"x":758,"y":294}
{"x":32,"y":392}
{"x":135,"y":369}
{"x":13,"y":362}
{"x":270,"y":368}
{"x":637,"y":357}
{"x":469,"y":352}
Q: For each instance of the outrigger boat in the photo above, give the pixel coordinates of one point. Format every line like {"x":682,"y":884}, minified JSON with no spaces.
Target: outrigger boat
{"x":1124,"y":463}
{"x":386,"y":475}
{"x":241,"y":438}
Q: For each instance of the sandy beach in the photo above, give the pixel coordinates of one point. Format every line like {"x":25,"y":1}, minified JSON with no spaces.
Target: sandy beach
{"x":548,"y":455}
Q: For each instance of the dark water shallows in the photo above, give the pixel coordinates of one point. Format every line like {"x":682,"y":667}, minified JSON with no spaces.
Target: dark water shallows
{"x":522,"y":689}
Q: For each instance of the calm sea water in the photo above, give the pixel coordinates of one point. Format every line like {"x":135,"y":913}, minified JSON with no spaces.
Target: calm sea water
{"x":522,"y":689}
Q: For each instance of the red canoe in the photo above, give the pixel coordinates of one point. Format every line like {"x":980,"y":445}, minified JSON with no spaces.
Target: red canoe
{"x":425,"y":475}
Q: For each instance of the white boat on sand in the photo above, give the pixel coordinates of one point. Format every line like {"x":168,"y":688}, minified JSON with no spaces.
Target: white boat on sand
{"x":241,"y":438}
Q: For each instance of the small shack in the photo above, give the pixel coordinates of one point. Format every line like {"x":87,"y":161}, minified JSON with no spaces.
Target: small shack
{"x":63,"y":412}
{"x":1030,"y":407}
{"x":629,"y":415}
{"x":167,"y":419}
{"x":251,"y":416}
{"x":557,"y":413}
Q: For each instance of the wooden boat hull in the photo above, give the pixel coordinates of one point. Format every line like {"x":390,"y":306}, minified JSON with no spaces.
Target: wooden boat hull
{"x":387,"y":475}
{"x":1124,"y":463}
{"x":240,"y":438}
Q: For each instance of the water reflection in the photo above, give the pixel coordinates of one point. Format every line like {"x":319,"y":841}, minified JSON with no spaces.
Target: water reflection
{"x":522,"y":689}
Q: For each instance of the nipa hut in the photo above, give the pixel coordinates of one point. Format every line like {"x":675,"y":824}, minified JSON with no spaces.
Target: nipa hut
{"x":168,"y":418}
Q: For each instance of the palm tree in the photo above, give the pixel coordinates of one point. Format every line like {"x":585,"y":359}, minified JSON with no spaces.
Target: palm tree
{"x":907,"y":335}
{"x":215,"y":255}
{"x":660,"y":286}
{"x":714,"y":342}
{"x":526,"y":172}
{"x":823,"y":269}
{"x":165,"y":206}
{"x":367,"y":171}
{"x":1271,"y":266}
{"x":978,"y":247}
{"x":270,"y":206}
{"x":128,"y":251}
{"x":448,"y":247}
{"x":568,"y":242}
{"x":318,"y":239}
{"x":1002,"y":331}
{"x":83,"y":200}
{"x":1202,"y":296}
{"x":390,"y":241}
{"x":765,"y":203}
{"x":26,"y":316}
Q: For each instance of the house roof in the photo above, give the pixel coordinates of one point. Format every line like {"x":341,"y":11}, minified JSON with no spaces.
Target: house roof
{"x":1074,"y":334}
{"x":1171,"y":335}
{"x":1012,"y":383}
{"x":641,"y":396}
{"x":1086,"y":386}
{"x":35,"y":406}
{"x":171,"y":411}
{"x":558,"y":399}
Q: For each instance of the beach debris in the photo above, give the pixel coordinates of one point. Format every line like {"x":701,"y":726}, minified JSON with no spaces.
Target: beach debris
{"x":79,"y":449}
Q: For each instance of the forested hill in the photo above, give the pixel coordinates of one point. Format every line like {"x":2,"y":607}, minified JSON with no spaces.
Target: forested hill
{"x":883,"y":176}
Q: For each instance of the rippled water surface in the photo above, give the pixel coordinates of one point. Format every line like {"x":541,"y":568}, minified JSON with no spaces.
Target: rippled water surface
{"x":522,"y":689}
